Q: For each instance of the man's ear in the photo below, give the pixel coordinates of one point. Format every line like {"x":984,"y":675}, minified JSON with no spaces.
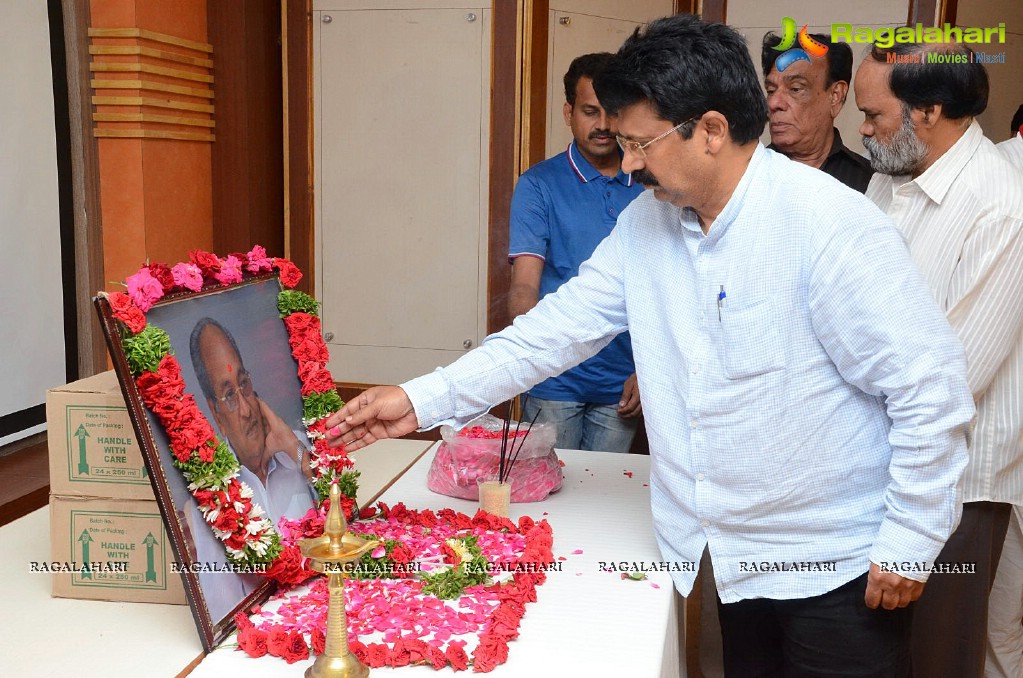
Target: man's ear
{"x":837,"y":94}
{"x":929,"y":115}
{"x":568,"y":114}
{"x":716,"y":126}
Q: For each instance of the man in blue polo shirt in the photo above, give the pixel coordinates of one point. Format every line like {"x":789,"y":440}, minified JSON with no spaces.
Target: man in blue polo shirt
{"x":562,"y":209}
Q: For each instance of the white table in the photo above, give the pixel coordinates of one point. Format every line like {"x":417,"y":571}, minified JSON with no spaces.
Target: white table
{"x":59,"y":636}
{"x":585,"y":622}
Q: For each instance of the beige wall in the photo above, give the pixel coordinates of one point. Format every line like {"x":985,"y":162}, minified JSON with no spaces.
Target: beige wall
{"x":1006,"y":82}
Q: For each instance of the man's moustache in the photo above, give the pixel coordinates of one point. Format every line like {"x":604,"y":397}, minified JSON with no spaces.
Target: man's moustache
{"x":645,"y":178}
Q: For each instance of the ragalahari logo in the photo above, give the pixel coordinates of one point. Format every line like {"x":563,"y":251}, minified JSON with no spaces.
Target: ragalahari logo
{"x":808,"y":47}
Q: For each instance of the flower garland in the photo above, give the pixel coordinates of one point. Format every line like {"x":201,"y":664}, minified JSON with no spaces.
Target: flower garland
{"x":417,"y":628}
{"x":205,"y":461}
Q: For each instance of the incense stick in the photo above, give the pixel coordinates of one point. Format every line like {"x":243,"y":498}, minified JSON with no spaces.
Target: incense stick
{"x":515,"y":454}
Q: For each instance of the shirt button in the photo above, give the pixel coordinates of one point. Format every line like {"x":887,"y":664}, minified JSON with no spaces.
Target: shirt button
{"x":699,"y":476}
{"x":693,"y":423}
{"x":611,"y":211}
{"x":705,"y":523}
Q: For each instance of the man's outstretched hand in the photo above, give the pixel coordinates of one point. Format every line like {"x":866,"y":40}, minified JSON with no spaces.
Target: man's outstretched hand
{"x":376,"y":413}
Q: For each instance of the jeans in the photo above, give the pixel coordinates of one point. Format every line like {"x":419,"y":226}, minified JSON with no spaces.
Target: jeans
{"x":834,"y":634}
{"x":583,"y":426}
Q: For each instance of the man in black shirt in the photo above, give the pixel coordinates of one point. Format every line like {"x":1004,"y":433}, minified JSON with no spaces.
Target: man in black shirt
{"x":803,"y":101}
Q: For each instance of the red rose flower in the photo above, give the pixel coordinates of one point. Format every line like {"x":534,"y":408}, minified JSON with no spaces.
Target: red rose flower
{"x":236,"y":541}
{"x":207,"y":262}
{"x":242,"y":621}
{"x":456,"y":655}
{"x":399,"y":655}
{"x":315,"y":379}
{"x":505,"y":623}
{"x":132,"y":318}
{"x":347,"y":506}
{"x":120,"y":301}
{"x":319,"y":641}
{"x":295,"y":650}
{"x":367,"y":512}
{"x":277,"y":641}
{"x":289,"y":273}
{"x":427,"y":518}
{"x":358,"y":649}
{"x":489,"y":653}
{"x":227,"y":519}
{"x":253,"y":642}
{"x":437,"y":658}
{"x":526,"y":524}
{"x":163,"y":274}
{"x":418,"y":649}
{"x":301,"y":323}
{"x":289,"y":567}
{"x":377,"y":655}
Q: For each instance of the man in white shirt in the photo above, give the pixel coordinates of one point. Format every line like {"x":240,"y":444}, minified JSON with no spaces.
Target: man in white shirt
{"x":805,"y":399}
{"x":1005,"y":618}
{"x":959,"y":205}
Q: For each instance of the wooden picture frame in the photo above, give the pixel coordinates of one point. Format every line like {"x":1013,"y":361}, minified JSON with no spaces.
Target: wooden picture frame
{"x":239,"y":360}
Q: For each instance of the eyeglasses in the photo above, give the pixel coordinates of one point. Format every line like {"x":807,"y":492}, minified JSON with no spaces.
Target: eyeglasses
{"x":639,"y":149}
{"x":231,"y":399}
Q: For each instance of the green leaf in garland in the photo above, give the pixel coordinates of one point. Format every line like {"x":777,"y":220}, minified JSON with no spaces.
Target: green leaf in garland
{"x":293,"y":301}
{"x":347,"y":482}
{"x":252,"y":557}
{"x":450,"y":583}
{"x":316,"y":406}
{"x":145,"y":350}
{"x":208,"y":475}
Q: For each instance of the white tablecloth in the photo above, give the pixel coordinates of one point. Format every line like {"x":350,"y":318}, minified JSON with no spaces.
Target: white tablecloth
{"x":44,"y":636}
{"x":586,"y":622}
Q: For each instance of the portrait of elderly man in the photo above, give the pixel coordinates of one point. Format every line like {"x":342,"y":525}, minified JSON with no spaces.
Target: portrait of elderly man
{"x":805,"y":399}
{"x":959,"y":203}
{"x":803,"y":101}
{"x":274,"y":463}
{"x":272,"y":459}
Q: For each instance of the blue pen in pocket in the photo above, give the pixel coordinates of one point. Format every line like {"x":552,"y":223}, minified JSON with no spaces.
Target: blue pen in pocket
{"x":721,"y":300}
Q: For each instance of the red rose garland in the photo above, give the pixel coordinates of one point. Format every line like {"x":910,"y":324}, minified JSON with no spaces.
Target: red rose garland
{"x":501,"y":627}
{"x":225,"y":502}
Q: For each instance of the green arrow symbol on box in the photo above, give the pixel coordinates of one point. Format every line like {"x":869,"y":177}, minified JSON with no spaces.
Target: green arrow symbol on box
{"x":150,"y":542}
{"x":83,"y":463}
{"x":85,"y":538}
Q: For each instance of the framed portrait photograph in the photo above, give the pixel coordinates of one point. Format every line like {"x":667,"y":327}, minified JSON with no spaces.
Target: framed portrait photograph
{"x":224,"y":388}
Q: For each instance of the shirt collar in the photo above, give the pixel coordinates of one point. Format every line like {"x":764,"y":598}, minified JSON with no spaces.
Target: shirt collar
{"x":587,"y":172}
{"x":836,"y":145}
{"x":939,"y":177}
{"x":737,"y":200}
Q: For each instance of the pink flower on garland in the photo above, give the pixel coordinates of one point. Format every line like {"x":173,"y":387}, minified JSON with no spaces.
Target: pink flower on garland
{"x":230,"y":270}
{"x":258,"y":261}
{"x":144,"y":289}
{"x":187,"y":276}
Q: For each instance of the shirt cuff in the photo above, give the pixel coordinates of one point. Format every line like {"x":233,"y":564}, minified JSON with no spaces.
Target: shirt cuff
{"x":430,"y":398}
{"x":906,"y":553}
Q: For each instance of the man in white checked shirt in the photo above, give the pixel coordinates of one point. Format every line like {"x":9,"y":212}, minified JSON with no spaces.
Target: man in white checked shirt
{"x":960,"y":206}
{"x":806,"y":400}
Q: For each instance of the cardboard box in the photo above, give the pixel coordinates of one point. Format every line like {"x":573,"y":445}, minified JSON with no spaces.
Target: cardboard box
{"x":124,"y":544}
{"x":93,"y":448}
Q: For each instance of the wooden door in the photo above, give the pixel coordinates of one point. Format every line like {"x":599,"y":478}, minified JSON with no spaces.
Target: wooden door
{"x":401,"y":150}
